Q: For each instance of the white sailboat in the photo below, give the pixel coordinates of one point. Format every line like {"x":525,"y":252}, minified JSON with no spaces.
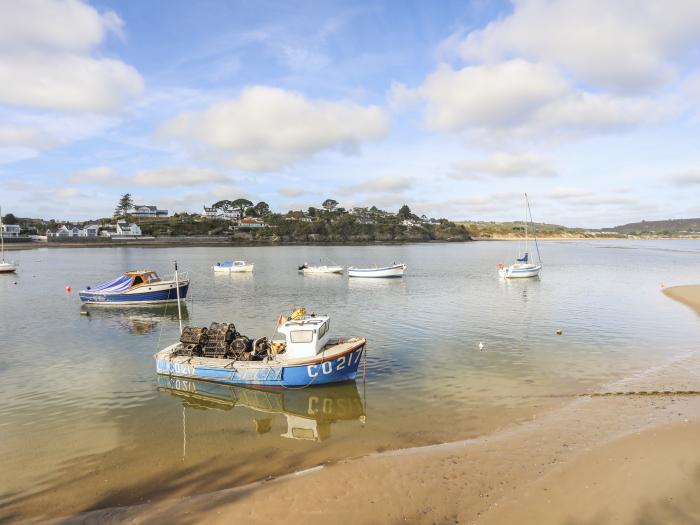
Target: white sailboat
{"x":5,"y":266}
{"x":523,"y":268}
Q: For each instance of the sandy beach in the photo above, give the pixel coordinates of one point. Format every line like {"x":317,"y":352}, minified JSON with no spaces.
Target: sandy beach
{"x":599,"y":459}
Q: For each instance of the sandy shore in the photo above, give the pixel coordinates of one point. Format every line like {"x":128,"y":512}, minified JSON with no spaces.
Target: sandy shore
{"x":538,"y":469}
{"x":688,"y":295}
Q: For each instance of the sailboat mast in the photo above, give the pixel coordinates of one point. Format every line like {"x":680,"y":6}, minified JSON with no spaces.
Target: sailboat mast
{"x":2,"y":239}
{"x":526,"y":223}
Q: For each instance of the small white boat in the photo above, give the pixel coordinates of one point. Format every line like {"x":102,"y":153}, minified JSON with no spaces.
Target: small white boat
{"x":233,"y":266}
{"x":523,"y":268}
{"x":395,"y":270}
{"x":312,"y":270}
{"x":5,"y":266}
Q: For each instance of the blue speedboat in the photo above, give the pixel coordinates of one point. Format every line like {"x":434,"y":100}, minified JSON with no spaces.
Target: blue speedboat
{"x":137,"y":287}
{"x":300,"y":354}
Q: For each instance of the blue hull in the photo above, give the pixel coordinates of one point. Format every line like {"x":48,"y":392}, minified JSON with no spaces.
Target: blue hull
{"x":338,"y":369}
{"x":134,"y":298}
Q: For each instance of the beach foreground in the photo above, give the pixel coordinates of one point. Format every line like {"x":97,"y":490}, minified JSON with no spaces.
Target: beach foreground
{"x":599,"y":459}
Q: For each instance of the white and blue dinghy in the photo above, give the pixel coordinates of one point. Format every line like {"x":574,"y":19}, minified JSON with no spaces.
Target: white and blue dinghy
{"x":395,"y":270}
{"x":137,"y":287}
{"x":300,"y":354}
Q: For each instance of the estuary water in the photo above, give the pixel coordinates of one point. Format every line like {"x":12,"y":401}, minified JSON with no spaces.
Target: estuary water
{"x":86,"y":423}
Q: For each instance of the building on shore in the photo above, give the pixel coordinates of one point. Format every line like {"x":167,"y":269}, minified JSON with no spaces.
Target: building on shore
{"x":128,"y":229}
{"x":10,"y":231}
{"x":70,"y":231}
{"x":142,"y":210}
{"x":210,"y":212}
{"x":251,"y":223}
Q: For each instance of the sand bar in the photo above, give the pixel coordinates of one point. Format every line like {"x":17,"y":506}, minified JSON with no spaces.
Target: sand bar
{"x":688,"y":295}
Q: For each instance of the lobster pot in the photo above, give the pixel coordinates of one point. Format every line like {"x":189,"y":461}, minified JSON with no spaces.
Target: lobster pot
{"x":219,"y":336}
{"x":194,"y":335}
{"x":192,"y":350}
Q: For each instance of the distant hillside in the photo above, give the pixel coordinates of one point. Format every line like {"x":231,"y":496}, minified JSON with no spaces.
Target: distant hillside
{"x":669,"y":227}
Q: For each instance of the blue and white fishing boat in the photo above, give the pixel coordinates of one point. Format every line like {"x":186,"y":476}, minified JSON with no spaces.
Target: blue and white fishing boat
{"x":301,"y":354}
{"x":137,"y":287}
{"x":523,"y":268}
{"x":395,"y":270}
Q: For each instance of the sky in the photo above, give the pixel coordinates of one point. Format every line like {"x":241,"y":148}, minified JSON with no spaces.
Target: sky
{"x":455,"y":108}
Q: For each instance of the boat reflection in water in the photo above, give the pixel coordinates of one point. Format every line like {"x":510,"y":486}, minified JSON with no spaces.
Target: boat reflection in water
{"x":137,"y":320}
{"x":310,"y":412}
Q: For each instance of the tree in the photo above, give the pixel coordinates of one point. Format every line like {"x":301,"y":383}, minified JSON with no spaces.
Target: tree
{"x":125,"y":204}
{"x":330,"y":204}
{"x":241,"y":205}
{"x":312,"y":212}
{"x":10,"y":219}
{"x":404,"y":212}
{"x":259,"y":210}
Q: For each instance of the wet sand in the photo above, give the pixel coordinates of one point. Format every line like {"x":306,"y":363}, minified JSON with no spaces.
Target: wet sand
{"x":492,"y":479}
{"x":689,"y":295}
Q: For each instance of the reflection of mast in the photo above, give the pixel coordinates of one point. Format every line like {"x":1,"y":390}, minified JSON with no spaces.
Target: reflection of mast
{"x":184,"y":433}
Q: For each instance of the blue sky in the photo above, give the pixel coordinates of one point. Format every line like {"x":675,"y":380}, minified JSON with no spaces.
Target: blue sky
{"x":455,"y":108}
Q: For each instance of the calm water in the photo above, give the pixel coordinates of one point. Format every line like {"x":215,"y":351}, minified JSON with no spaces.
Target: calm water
{"x":86,"y":423}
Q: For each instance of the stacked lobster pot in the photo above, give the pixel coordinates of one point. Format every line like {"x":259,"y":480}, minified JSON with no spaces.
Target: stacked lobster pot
{"x":219,"y":337}
{"x":194,"y":339}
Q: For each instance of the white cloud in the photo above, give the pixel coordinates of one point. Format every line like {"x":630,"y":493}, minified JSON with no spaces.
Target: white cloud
{"x":46,"y":61}
{"x":564,"y":193}
{"x":175,"y":176}
{"x":686,"y":178}
{"x":162,"y":177}
{"x":292,"y":191}
{"x":386,"y":184}
{"x":96,"y":175}
{"x":626,"y":45}
{"x":268,"y":128}
{"x":529,"y":99}
{"x":504,"y":165}
{"x":12,"y":136}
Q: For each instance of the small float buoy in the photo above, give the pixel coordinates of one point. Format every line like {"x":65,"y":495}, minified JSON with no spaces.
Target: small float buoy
{"x":481,"y":346}
{"x":559,"y":331}
{"x":84,"y":312}
{"x":67,"y":289}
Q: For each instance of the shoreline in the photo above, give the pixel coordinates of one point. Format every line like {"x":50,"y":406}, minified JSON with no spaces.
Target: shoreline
{"x":157,"y":243}
{"x":574,"y":462}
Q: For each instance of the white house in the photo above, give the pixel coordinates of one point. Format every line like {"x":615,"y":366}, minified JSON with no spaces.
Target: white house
{"x":251,"y":223}
{"x":218,"y":213}
{"x":91,"y":230}
{"x":124,"y":228}
{"x":66,"y":230}
{"x":10,"y":230}
{"x":142,"y":210}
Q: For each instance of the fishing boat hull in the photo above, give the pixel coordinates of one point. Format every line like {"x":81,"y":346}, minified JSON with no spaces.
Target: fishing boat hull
{"x":152,"y":294}
{"x":520,"y":271}
{"x":6,"y":267}
{"x":318,"y":270}
{"x":246,"y":268}
{"x":396,"y":270}
{"x":328,"y":367}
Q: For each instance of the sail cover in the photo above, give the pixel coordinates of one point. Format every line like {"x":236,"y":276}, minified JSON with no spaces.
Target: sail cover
{"x":120,"y":284}
{"x":523,"y":259}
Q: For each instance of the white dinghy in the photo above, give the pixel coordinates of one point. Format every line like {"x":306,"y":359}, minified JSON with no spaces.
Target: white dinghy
{"x":321,"y":269}
{"x":395,"y":270}
{"x":234,"y":266}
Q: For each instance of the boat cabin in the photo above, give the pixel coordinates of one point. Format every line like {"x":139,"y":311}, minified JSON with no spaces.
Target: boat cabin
{"x":142,"y":277}
{"x":305,"y":337}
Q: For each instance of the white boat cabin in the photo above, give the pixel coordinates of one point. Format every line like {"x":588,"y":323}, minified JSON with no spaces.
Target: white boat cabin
{"x":305,"y":337}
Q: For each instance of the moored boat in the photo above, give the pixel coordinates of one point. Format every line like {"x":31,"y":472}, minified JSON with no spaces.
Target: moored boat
{"x":523,"y":268}
{"x":300,"y":354}
{"x":233,"y":266}
{"x":137,"y":287}
{"x":310,"y":270}
{"x":5,"y":266}
{"x":395,"y":270}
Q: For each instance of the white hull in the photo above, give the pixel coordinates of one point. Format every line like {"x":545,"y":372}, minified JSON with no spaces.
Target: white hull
{"x":520,"y":271}
{"x":315,"y":270}
{"x":234,"y":269}
{"x":6,"y":267}
{"x":390,"y":271}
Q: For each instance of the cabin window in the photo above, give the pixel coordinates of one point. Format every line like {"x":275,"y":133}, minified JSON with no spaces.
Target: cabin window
{"x":137,"y":280}
{"x":301,"y":336}
{"x":322,"y":331}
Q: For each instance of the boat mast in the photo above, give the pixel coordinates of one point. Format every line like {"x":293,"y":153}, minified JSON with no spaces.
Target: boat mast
{"x":525,"y":224}
{"x":2,"y":240}
{"x":177,"y":294}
